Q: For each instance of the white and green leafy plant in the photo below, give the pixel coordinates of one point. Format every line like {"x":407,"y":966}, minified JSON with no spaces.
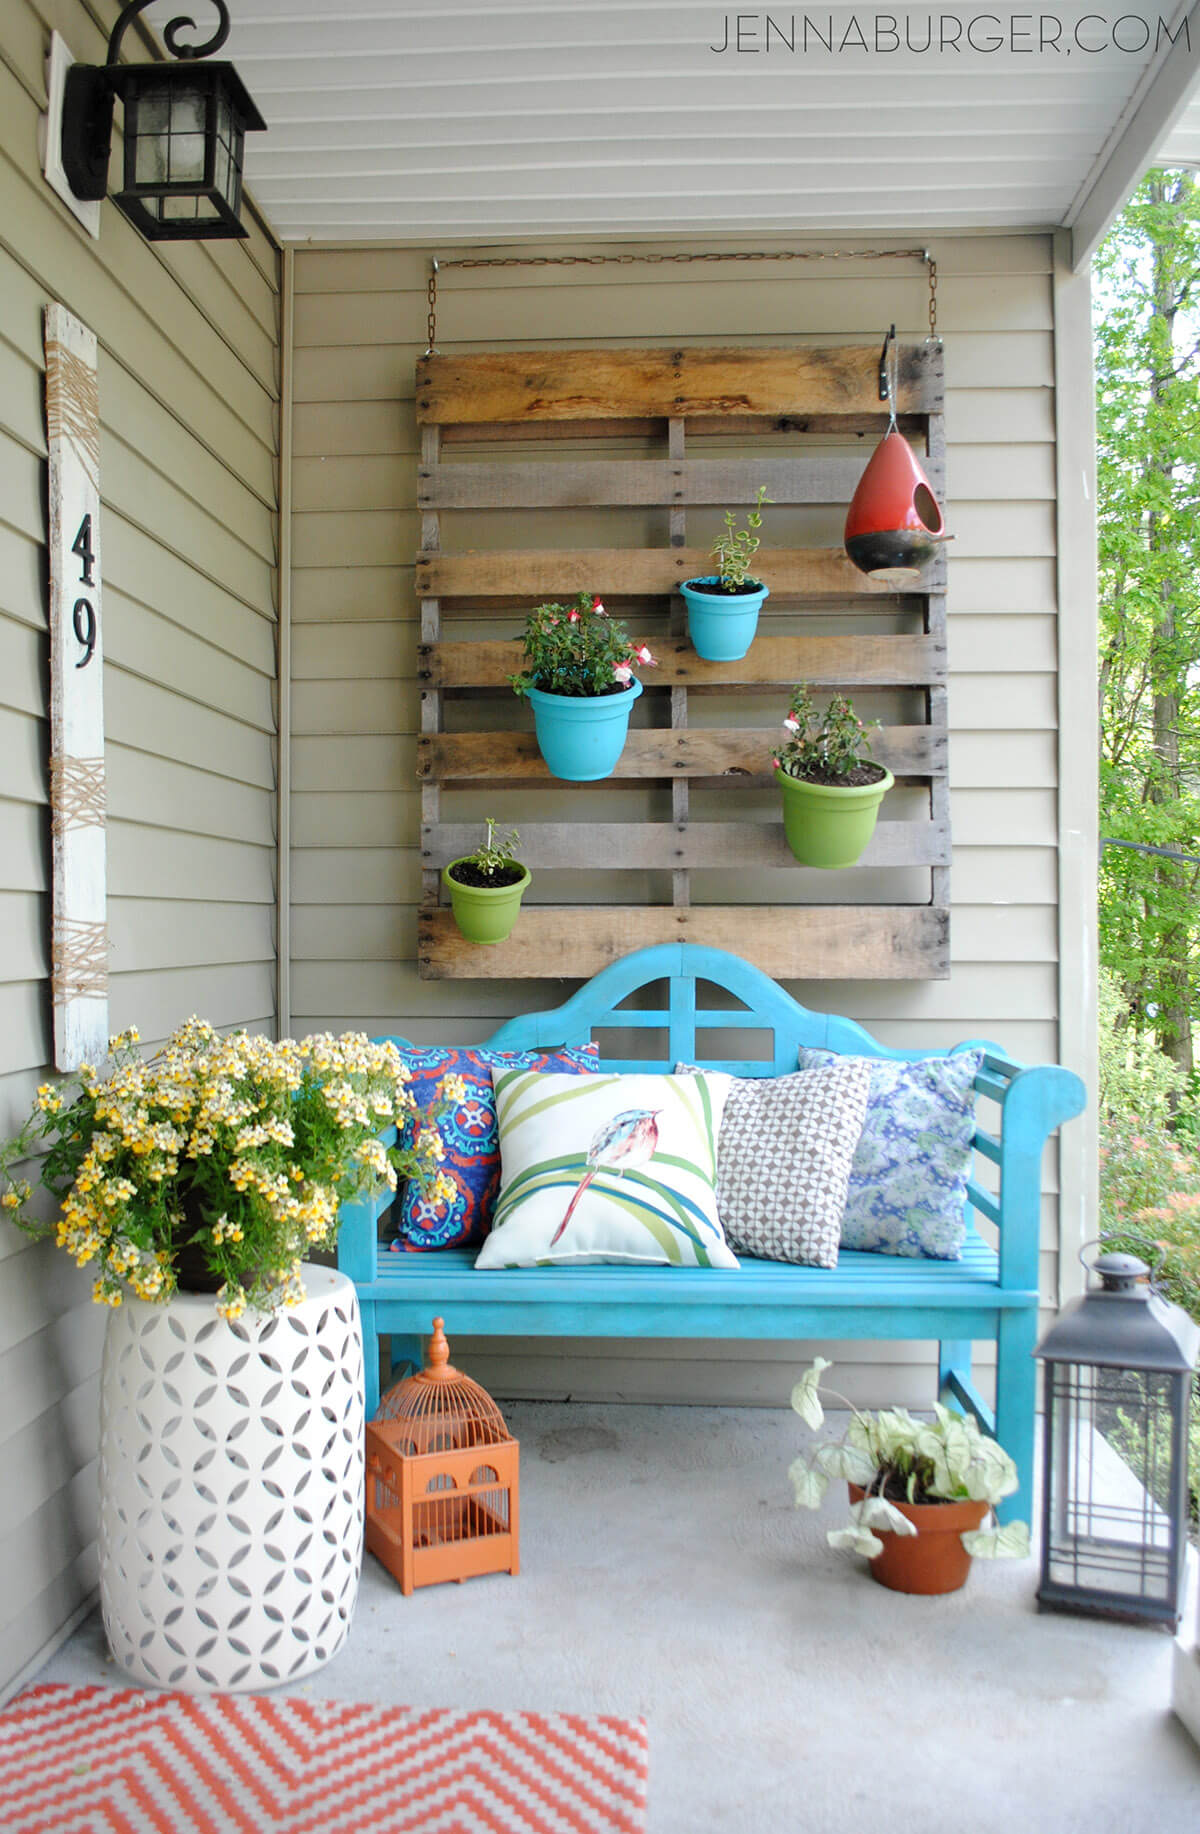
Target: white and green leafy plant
{"x":894,"y":1457}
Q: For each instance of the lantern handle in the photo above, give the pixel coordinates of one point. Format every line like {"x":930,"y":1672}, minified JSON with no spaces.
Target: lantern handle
{"x":170,"y":31}
{"x":1152,"y":1246}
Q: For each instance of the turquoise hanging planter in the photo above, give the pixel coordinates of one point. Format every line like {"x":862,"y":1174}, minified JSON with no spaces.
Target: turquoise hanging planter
{"x":581,"y":736}
{"x":721,"y":625}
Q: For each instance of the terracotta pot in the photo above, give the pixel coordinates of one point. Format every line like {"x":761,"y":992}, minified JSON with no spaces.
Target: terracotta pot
{"x":934,"y":1559}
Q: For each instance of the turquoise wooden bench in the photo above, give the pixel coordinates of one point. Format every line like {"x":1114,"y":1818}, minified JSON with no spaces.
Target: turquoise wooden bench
{"x":991,"y":1295}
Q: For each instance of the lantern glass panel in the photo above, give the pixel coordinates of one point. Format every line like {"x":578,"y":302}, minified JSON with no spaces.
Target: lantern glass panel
{"x":1111,"y":1475}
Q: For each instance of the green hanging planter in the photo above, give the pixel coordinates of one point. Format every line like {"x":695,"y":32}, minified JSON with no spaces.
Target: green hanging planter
{"x":827,"y":824}
{"x":484,"y":913}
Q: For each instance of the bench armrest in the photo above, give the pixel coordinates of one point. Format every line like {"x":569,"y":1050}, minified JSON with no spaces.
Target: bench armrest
{"x":1033,"y":1104}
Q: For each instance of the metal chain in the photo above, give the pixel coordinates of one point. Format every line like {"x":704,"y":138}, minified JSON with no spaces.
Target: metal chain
{"x":431,"y":321}
{"x":659,"y":260}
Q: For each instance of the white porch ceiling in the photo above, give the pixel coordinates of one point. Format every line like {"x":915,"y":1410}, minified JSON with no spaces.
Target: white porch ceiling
{"x":493,"y":119}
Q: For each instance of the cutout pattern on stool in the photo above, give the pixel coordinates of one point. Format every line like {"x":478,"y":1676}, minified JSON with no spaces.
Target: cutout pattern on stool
{"x":231,"y":1488}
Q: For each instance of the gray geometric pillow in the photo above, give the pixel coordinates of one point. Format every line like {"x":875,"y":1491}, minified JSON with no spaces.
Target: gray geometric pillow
{"x":783,"y":1160}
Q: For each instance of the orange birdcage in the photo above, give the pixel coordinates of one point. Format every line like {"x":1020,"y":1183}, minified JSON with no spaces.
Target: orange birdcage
{"x":441,"y":1477}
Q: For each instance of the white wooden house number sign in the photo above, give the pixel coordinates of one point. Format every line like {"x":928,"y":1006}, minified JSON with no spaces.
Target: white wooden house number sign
{"x":79,"y":940}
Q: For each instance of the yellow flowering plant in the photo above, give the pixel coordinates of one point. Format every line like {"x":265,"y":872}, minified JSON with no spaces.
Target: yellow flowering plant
{"x":236,"y":1151}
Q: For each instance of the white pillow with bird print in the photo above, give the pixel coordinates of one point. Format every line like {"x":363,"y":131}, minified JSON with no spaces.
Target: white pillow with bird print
{"x":607,"y":1168}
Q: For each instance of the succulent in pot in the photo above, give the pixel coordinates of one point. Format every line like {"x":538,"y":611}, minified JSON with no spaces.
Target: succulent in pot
{"x":486,"y":886}
{"x":920,"y":1490}
{"x":723,"y":606}
{"x":831,"y":786}
{"x":579,"y":679}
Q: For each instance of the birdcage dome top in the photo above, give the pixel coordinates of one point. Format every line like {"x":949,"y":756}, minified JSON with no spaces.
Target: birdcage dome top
{"x":439,"y":1408}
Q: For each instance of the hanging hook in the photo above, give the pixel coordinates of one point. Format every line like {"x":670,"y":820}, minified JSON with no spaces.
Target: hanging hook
{"x":885,"y":387}
{"x":888,"y":359}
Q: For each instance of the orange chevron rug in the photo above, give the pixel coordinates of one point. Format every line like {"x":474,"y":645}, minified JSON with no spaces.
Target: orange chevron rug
{"x":107,"y":1761}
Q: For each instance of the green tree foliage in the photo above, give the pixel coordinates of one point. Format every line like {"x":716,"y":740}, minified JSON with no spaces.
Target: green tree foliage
{"x":1148,"y":362}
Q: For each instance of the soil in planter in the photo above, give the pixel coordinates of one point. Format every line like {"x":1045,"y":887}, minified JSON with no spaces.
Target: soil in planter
{"x":862,"y":774}
{"x":188,"y":1257}
{"x":715,"y":589}
{"x":466,"y":873}
{"x":565,"y":693}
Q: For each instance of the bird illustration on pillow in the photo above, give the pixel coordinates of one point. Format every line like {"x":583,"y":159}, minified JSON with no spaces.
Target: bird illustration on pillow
{"x":629,"y":1139}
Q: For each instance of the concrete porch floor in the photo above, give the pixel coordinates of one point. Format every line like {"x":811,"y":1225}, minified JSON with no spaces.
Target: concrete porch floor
{"x":666,"y":1574}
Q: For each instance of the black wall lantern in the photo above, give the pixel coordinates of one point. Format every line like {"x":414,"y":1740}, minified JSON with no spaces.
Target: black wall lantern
{"x":1119,"y":1367}
{"x":185,"y":126}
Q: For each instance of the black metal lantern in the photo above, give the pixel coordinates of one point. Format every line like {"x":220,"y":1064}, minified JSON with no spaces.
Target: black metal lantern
{"x":185,"y":128}
{"x":1119,"y":1367}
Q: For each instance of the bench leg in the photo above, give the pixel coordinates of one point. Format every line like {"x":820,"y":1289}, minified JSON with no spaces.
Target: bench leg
{"x":370,"y":1358}
{"x":954,"y":1368}
{"x":1016,"y":1398}
{"x":955,"y":1387}
{"x":407,"y":1355}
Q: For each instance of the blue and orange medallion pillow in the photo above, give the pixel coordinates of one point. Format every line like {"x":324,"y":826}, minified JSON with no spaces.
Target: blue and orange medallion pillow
{"x":469,"y":1136}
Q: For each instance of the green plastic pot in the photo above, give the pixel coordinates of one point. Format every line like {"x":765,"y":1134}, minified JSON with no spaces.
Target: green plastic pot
{"x":826,"y":825}
{"x":483,"y":913}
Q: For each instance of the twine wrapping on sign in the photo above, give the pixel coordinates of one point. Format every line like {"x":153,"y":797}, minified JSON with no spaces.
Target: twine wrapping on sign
{"x":78,"y":961}
{"x":73,"y":406}
{"x":77,"y":793}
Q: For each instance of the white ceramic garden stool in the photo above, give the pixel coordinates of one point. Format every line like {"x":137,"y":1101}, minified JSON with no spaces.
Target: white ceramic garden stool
{"x":231,"y":1487}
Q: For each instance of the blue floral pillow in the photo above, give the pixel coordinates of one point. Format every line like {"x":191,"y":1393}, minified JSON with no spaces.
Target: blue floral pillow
{"x":469,"y":1137}
{"x":908,"y":1181}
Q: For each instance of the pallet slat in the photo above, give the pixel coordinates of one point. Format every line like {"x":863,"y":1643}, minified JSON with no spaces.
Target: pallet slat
{"x":806,"y":942}
{"x":908,"y":751}
{"x":547,"y":846}
{"x":724,"y":426}
{"x":586,"y":483}
{"x":878,"y":661}
{"x":542,"y":573}
{"x":575,"y":385}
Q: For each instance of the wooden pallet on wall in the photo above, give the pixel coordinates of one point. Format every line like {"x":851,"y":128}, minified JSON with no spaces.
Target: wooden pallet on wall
{"x":671,"y":398}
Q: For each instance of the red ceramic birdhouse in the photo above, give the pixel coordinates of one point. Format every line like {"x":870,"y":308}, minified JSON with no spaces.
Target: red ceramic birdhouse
{"x":894,"y":525}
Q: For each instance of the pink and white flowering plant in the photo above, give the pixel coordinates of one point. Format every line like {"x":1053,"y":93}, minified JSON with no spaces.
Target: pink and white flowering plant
{"x":578,"y":650}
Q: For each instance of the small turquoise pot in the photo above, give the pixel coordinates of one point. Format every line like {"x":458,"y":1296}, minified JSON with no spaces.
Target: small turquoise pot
{"x":721,"y":626}
{"x":581,"y":736}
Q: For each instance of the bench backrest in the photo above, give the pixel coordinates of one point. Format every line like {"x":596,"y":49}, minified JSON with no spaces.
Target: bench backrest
{"x":690,"y":975}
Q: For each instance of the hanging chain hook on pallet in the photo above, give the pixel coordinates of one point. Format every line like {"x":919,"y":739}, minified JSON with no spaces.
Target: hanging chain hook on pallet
{"x":431,"y":320}
{"x":680,"y":259}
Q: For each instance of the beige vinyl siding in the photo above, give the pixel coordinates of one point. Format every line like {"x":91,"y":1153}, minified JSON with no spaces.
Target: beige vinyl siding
{"x":359,"y":327}
{"x":188,"y":376}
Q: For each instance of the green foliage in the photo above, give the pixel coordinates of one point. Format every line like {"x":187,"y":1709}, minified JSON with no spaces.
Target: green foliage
{"x":734,"y":551}
{"x":829,"y":744}
{"x":893,"y":1457}
{"x":1148,"y":448}
{"x":1149,"y":1177}
{"x":578,"y":650}
{"x":498,"y":851}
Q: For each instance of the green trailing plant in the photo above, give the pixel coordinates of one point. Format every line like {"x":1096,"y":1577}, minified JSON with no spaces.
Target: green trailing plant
{"x":829,"y":747}
{"x":733,"y":552}
{"x":578,"y":650}
{"x":895,"y":1458}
